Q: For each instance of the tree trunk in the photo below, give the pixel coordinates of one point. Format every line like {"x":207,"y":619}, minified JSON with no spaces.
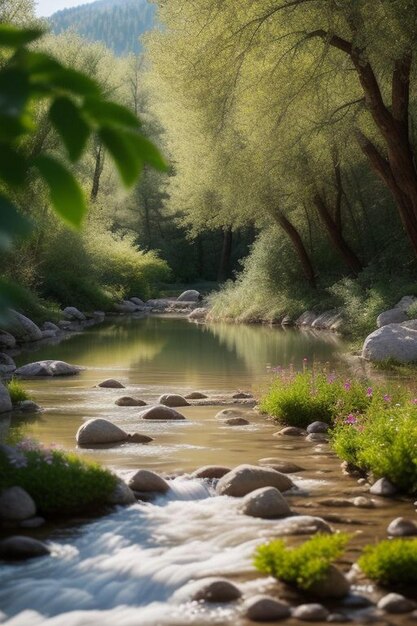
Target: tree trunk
{"x":98,"y":170}
{"x":336,"y":237}
{"x":224,"y":267}
{"x":298,"y":245}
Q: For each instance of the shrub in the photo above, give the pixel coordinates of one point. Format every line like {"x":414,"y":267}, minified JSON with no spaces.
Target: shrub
{"x":60,"y":483}
{"x":17,"y":392}
{"x":297,"y":399}
{"x":392,"y":562}
{"x":304,"y":565}
{"x":383,"y":441}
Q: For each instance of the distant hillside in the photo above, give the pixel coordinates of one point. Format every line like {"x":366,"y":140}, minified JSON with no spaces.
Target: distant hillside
{"x":116,"y":23}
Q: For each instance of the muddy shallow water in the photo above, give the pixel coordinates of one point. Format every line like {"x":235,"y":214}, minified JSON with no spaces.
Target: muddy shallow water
{"x":127,"y":567}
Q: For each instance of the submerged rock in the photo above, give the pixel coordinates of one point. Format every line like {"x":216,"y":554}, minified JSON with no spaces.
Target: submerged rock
{"x":99,"y":431}
{"x":28,"y":406}
{"x":229,"y":413}
{"x":242,"y":395}
{"x":111,"y":383}
{"x":173,"y":400}
{"x":396,"y":603}
{"x":161,"y":412}
{"x":290,"y":431}
{"x":138,"y":438}
{"x":196,"y":395}
{"x":48,"y":368}
{"x":401,"y":527}
{"x":246,"y":478}
{"x":263,"y":608}
{"x":189,"y":296}
{"x":147,"y":481}
{"x":129,"y":401}
{"x":285,"y":467}
{"x":267,"y":503}
{"x":16,"y":505}
{"x":211,"y":471}
{"x":19,"y":548}
{"x":310,"y":613}
{"x":236,"y":421}
{"x":301,"y":525}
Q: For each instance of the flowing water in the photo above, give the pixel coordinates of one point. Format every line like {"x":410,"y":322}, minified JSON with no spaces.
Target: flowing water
{"x":129,"y":567}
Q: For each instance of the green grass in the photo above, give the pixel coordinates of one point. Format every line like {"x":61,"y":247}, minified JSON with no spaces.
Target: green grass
{"x":61,"y":484}
{"x":392,"y":563}
{"x":297,"y":399}
{"x":301,"y":566}
{"x":17,"y":391}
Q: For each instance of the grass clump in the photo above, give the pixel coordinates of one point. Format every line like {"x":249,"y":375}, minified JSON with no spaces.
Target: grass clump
{"x":392,"y":563}
{"x":299,"y":398}
{"x":17,"y":391}
{"x":61,"y":484}
{"x":383,"y":441}
{"x":302,"y":566}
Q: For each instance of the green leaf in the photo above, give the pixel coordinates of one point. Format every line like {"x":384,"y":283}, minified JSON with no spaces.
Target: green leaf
{"x":13,"y":37}
{"x":146,"y":151}
{"x":14,"y":92}
{"x":12,"y":223}
{"x":71,"y":126}
{"x":66,"y":196}
{"x":72,"y":81}
{"x":105,"y":112}
{"x":124,"y":154}
{"x":13,"y":166}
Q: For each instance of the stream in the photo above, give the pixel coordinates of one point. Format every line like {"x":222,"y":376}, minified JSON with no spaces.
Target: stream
{"x":128,"y":567}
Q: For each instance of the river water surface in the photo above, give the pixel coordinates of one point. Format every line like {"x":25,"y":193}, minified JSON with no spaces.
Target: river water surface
{"x":128,"y":568}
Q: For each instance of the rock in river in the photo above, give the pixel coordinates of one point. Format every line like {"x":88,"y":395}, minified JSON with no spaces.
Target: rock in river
{"x":128,"y":401}
{"x":173,"y":400}
{"x":266,"y":609}
{"x":216,"y":590}
{"x":161,"y":412}
{"x":111,"y":383}
{"x":246,"y":478}
{"x":211,"y":471}
{"x":196,"y":395}
{"x":147,"y":481}
{"x":383,"y":487}
{"x":317,"y":427}
{"x":122,"y":495}
{"x":72,"y":313}
{"x":236,"y":421}
{"x":401,"y":527}
{"x":334,"y":584}
{"x":19,"y":548}
{"x":290,"y":431}
{"x":189,"y":296}
{"x":396,"y":603}
{"x":100,"y":431}
{"x":16,"y":505}
{"x":47,"y":368}
{"x":285,"y":467}
{"x":267,"y":503}
{"x":310,"y":613}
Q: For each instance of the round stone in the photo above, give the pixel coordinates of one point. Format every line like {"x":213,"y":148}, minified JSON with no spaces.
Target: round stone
{"x":173,"y":400}
{"x":16,"y":505}
{"x":19,"y":548}
{"x":147,"y":481}
{"x":401,"y":527}
{"x":396,"y":603}
{"x":129,"y":401}
{"x":246,"y":478}
{"x":310,"y":612}
{"x":264,"y":608}
{"x":267,"y":503}
{"x":111,"y":383}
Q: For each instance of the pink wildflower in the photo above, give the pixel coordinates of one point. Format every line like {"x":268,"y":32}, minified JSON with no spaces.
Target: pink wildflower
{"x":351,"y":419}
{"x":369,"y":392}
{"x":387,"y":398}
{"x":347,"y":385}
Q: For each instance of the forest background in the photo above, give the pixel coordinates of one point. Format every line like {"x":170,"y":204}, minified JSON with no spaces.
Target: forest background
{"x":290,"y":129}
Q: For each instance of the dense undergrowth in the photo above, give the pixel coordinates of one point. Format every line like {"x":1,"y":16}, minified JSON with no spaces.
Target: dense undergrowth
{"x":391,"y":563}
{"x":17,"y":391}
{"x":60,"y":483}
{"x":373,"y":426}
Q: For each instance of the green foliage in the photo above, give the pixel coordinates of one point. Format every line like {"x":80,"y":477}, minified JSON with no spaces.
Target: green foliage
{"x":383,"y":441}
{"x":61,"y":484}
{"x":302,"y":566}
{"x":17,"y":391}
{"x":299,"y":398}
{"x":392,"y":563}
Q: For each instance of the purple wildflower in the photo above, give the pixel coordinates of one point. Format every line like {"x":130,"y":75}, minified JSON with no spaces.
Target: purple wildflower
{"x":351,"y":419}
{"x":369,"y":392}
{"x":347,"y":386}
{"x":387,"y":398}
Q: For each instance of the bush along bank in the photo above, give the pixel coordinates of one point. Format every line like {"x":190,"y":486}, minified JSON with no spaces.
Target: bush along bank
{"x":372,"y":427}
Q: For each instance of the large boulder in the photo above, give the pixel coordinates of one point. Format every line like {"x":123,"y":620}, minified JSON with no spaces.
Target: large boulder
{"x":7,"y":365}
{"x":19,"y":548}
{"x":23,"y":329}
{"x":393,"y":341}
{"x":72,"y":313}
{"x":51,"y":326}
{"x":147,"y":481}
{"x":161,"y":412}
{"x":100,"y":431}
{"x":7,"y":341}
{"x":267,"y":503}
{"x":16,"y":505}
{"x":48,"y":368}
{"x":173,"y":400}
{"x":246,"y":478}
{"x":189,"y":296}
{"x":5,"y":401}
